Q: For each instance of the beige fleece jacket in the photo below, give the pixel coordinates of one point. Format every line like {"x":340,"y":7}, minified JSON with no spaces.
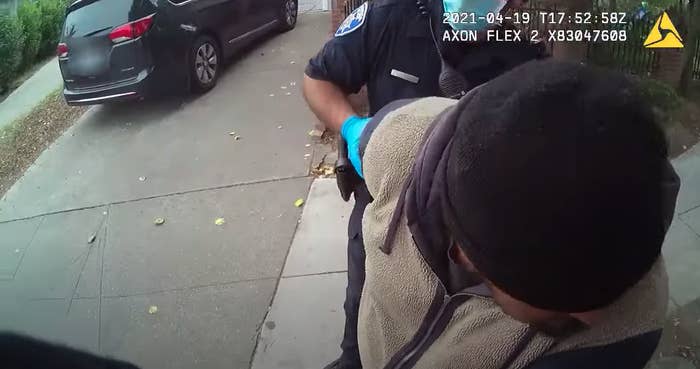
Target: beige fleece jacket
{"x":400,"y":287}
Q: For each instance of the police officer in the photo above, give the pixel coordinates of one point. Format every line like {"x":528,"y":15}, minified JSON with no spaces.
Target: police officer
{"x":396,"y":48}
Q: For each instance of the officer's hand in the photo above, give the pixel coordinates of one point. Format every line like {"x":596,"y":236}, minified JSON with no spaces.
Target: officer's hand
{"x":352,"y":131}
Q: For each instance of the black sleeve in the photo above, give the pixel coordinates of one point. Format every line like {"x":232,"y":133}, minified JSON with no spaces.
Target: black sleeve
{"x":632,"y":353}
{"x":343,"y":60}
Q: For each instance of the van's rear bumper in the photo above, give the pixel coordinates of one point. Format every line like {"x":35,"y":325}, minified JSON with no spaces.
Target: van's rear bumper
{"x":119,"y":91}
{"x":81,"y":100}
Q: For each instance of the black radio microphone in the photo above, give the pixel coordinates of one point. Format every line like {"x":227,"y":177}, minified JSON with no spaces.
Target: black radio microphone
{"x":451,"y":83}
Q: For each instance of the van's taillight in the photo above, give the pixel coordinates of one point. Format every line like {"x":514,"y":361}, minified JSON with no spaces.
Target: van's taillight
{"x":131,"y":30}
{"x":62,"y":50}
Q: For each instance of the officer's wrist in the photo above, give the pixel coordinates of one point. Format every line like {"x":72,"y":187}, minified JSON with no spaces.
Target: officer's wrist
{"x":347,"y":125}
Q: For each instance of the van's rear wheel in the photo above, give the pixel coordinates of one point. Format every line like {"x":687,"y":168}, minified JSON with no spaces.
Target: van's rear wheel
{"x":205,"y":64}
{"x":287,"y":17}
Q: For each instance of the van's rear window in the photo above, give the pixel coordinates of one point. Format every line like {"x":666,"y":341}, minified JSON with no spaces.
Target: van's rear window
{"x":99,"y":17}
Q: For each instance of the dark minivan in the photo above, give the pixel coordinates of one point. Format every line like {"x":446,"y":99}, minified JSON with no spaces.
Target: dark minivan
{"x":115,"y":50}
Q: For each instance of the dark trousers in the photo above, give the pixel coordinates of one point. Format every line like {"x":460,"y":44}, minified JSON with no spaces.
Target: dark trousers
{"x":350,"y":358}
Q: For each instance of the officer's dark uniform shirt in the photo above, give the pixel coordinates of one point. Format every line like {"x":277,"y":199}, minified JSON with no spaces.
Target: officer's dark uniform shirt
{"x":388,"y":45}
{"x":389,"y":48}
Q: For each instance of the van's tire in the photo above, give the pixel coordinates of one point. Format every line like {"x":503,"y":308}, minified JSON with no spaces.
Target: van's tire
{"x":288,"y":14}
{"x":205,"y":64}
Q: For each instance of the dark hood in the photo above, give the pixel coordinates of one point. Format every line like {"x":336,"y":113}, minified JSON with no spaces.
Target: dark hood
{"x":421,"y":199}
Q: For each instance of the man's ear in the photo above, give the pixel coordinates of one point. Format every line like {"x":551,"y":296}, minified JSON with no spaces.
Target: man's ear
{"x":457,"y":255}
{"x":460,"y":258}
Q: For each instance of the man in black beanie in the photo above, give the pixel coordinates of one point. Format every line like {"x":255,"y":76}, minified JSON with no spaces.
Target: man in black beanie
{"x":519,"y":227}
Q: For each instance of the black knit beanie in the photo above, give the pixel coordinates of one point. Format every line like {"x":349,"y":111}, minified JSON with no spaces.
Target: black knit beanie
{"x":559,"y":185}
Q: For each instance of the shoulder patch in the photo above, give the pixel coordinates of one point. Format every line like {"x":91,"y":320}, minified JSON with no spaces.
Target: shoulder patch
{"x":353,"y":21}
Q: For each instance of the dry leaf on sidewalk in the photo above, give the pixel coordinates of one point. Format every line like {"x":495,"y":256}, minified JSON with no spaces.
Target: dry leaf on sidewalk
{"x":315,"y":133}
{"x":323,"y":170}
{"x":299,"y":202}
{"x":220,"y":221}
{"x":152,"y":309}
{"x":159,"y":221}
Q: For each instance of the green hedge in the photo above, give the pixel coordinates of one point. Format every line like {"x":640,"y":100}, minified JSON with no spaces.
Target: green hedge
{"x":32,"y":35}
{"x":52,"y":12}
{"x":11,"y":41}
{"x":29,"y":16}
{"x":660,"y":95}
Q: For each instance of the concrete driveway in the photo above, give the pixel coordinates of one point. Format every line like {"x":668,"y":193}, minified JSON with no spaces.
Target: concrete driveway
{"x":81,"y":260}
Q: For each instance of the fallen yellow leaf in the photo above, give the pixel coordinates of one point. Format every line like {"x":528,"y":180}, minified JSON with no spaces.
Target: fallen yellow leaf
{"x":152,"y":309}
{"x":299,"y":202}
{"x":219,"y":221}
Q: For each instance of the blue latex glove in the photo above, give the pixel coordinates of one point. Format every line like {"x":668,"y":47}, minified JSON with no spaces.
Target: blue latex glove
{"x":351,"y":130}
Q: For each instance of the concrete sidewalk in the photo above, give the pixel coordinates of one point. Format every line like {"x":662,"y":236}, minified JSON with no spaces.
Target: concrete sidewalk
{"x":305,"y":324}
{"x":680,"y":346}
{"x":682,"y":249}
{"x":22,"y":100}
{"x":81,"y":260}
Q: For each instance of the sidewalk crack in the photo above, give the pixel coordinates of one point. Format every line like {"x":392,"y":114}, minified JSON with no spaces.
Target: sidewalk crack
{"x":692,"y":230}
{"x":164,"y":195}
{"x":29,"y":244}
{"x":314,"y":274}
{"x":689,"y":210}
{"x":102,"y":270}
{"x":86,"y":256}
{"x":258,"y":330}
{"x":190,"y":288}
